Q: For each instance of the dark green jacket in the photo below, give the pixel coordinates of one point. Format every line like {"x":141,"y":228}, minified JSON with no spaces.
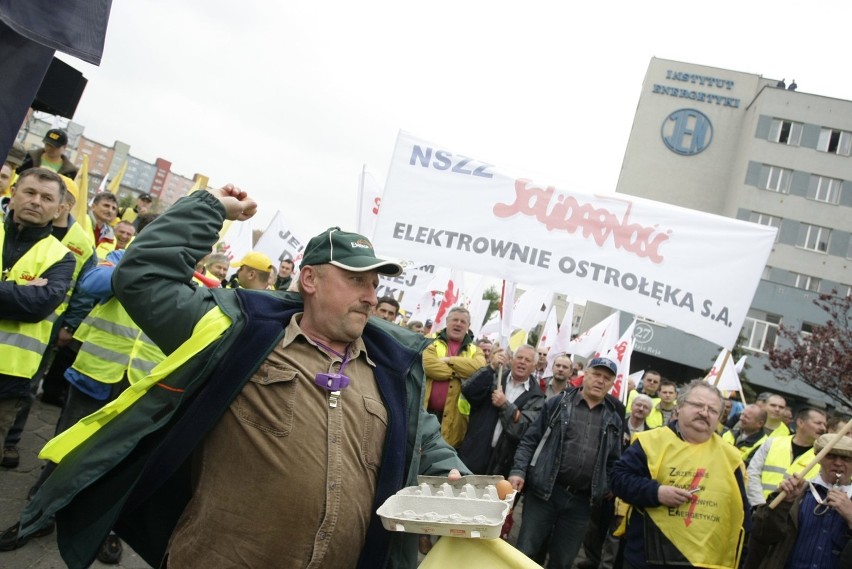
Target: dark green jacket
{"x":133,"y":474}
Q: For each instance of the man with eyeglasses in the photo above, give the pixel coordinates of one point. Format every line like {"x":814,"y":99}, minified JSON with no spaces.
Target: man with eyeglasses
{"x":811,"y":527}
{"x":687,"y":490}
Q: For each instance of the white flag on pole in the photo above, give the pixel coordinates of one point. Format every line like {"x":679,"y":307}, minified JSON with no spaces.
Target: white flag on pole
{"x":729,"y":380}
{"x":562,"y":340}
{"x":369,"y":202}
{"x":597,"y":339}
{"x":620,"y":354}
{"x":236,"y":242}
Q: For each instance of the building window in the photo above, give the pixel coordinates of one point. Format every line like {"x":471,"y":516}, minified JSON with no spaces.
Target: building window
{"x":778,"y":179}
{"x":760,"y":335}
{"x":835,"y":141}
{"x":785,"y":132}
{"x":805,"y":282}
{"x":765,"y":219}
{"x":813,"y":237}
{"x":825,"y":189}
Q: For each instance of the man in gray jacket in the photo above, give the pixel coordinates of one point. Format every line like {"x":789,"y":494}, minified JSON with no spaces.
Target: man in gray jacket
{"x":563,"y":461}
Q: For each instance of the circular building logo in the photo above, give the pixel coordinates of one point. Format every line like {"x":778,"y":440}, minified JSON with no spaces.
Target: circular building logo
{"x":687,"y":132}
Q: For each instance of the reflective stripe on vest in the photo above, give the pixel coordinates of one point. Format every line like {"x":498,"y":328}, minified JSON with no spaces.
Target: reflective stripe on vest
{"x":211,"y":326}
{"x":113,"y":345}
{"x":22,"y":344}
{"x":778,"y":464}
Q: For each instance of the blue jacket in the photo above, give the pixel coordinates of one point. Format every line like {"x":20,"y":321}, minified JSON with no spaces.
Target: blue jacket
{"x":548,"y":433}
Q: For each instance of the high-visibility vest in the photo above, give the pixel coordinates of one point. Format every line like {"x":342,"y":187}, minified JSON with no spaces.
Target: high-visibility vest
{"x":745,"y":451}
{"x":780,"y":464}
{"x":211,"y":326}
{"x":113,"y":344}
{"x":441,"y":351}
{"x":707,"y":530}
{"x":22,"y":344}
{"x":82,"y":245}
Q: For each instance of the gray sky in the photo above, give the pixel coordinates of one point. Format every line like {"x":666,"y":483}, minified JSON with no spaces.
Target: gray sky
{"x":289,"y":99}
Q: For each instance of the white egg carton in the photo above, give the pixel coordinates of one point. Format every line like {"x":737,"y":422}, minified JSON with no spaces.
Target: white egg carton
{"x":468,"y":507}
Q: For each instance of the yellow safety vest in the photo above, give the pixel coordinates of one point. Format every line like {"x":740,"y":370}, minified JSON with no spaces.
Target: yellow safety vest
{"x":655,"y":417}
{"x":729,"y":438}
{"x":22,"y":344}
{"x":708,"y":529}
{"x":211,"y":326}
{"x":113,"y":344}
{"x":778,"y":465}
{"x":441,"y":351}
{"x":82,"y":245}
{"x":632,"y":395}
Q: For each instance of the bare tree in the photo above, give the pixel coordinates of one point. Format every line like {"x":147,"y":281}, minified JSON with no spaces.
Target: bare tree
{"x":822,"y":358}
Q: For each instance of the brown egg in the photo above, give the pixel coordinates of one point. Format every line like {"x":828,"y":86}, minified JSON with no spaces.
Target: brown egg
{"x":504,"y":488}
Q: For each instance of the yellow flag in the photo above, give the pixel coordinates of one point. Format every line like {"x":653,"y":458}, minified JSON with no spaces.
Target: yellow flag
{"x":115,"y":183}
{"x":517,"y":339}
{"x":195,"y":187}
{"x":80,"y":211}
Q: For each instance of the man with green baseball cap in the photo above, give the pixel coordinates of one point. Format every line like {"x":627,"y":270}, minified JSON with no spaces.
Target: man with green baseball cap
{"x":349,"y":251}
{"x":270,"y":402}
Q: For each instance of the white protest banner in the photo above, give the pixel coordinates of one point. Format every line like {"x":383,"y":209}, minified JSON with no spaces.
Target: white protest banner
{"x":280,"y":242}
{"x":667,"y":263}
{"x":408,"y":287}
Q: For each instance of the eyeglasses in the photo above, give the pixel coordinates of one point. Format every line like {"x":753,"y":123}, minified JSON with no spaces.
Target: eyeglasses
{"x":831,"y":456}
{"x":709,"y":409}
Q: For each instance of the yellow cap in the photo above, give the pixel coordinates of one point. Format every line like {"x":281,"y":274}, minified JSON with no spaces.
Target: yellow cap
{"x":255,"y":260}
{"x":71,"y":185}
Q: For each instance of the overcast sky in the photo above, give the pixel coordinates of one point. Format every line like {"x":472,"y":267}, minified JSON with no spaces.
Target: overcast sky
{"x":289,"y":99}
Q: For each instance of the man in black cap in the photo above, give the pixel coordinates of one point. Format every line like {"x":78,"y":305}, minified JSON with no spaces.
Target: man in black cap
{"x":51,"y":156}
{"x":143,"y":205}
{"x":275,"y":414}
{"x":563,"y":461}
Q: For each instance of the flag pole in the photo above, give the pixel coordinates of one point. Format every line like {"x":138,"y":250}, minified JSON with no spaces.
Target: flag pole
{"x":499,"y":378}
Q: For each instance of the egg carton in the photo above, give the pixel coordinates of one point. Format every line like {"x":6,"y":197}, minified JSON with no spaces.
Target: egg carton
{"x":468,"y":507}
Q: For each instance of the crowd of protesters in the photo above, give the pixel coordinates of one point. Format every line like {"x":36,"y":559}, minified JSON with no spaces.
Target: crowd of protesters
{"x":243,"y":375}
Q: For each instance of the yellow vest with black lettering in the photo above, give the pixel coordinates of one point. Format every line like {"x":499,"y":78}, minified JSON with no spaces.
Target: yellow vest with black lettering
{"x":113,"y":344}
{"x":22,"y":344}
{"x":729,"y":438}
{"x":82,"y":245}
{"x":707,"y":530}
{"x":780,"y":464}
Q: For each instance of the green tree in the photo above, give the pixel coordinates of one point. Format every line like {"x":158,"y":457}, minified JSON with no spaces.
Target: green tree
{"x":493,"y":298}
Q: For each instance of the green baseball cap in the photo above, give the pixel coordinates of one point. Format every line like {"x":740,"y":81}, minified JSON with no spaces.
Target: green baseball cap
{"x":350,"y":251}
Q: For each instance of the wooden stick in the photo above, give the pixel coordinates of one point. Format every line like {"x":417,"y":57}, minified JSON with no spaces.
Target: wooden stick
{"x":827,"y":449}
